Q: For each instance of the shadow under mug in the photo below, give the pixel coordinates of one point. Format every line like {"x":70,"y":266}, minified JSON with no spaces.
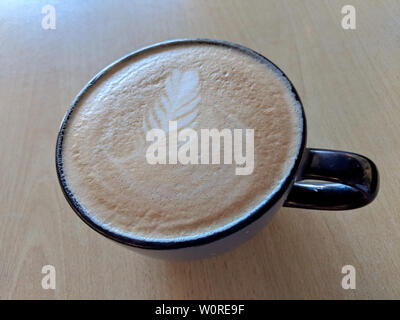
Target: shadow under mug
{"x":319,"y":179}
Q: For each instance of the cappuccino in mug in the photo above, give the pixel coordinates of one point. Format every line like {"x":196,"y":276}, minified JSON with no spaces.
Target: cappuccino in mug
{"x":193,"y":88}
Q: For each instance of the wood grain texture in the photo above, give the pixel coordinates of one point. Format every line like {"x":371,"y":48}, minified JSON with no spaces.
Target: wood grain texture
{"x":349,"y":81}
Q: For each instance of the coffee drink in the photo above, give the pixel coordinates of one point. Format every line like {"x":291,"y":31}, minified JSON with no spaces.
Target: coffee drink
{"x":194,"y":86}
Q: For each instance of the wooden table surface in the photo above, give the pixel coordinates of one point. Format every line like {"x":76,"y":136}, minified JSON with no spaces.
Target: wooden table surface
{"x":349,"y":81}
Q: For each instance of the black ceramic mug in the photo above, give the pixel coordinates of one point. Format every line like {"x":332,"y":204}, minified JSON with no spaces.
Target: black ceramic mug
{"x":319,"y":179}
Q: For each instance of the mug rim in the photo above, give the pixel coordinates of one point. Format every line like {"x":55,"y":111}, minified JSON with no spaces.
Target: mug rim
{"x":204,"y":238}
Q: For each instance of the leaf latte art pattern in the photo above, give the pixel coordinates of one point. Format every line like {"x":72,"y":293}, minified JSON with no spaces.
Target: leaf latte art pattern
{"x":179,"y":103}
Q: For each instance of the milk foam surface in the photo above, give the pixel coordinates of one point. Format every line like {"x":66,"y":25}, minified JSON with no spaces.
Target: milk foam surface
{"x":201,"y":86}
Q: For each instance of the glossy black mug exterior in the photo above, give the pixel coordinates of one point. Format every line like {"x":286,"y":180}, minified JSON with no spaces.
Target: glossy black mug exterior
{"x":319,"y":179}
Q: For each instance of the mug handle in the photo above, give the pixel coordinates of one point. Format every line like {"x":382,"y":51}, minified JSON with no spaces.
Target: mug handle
{"x":346,"y":181}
